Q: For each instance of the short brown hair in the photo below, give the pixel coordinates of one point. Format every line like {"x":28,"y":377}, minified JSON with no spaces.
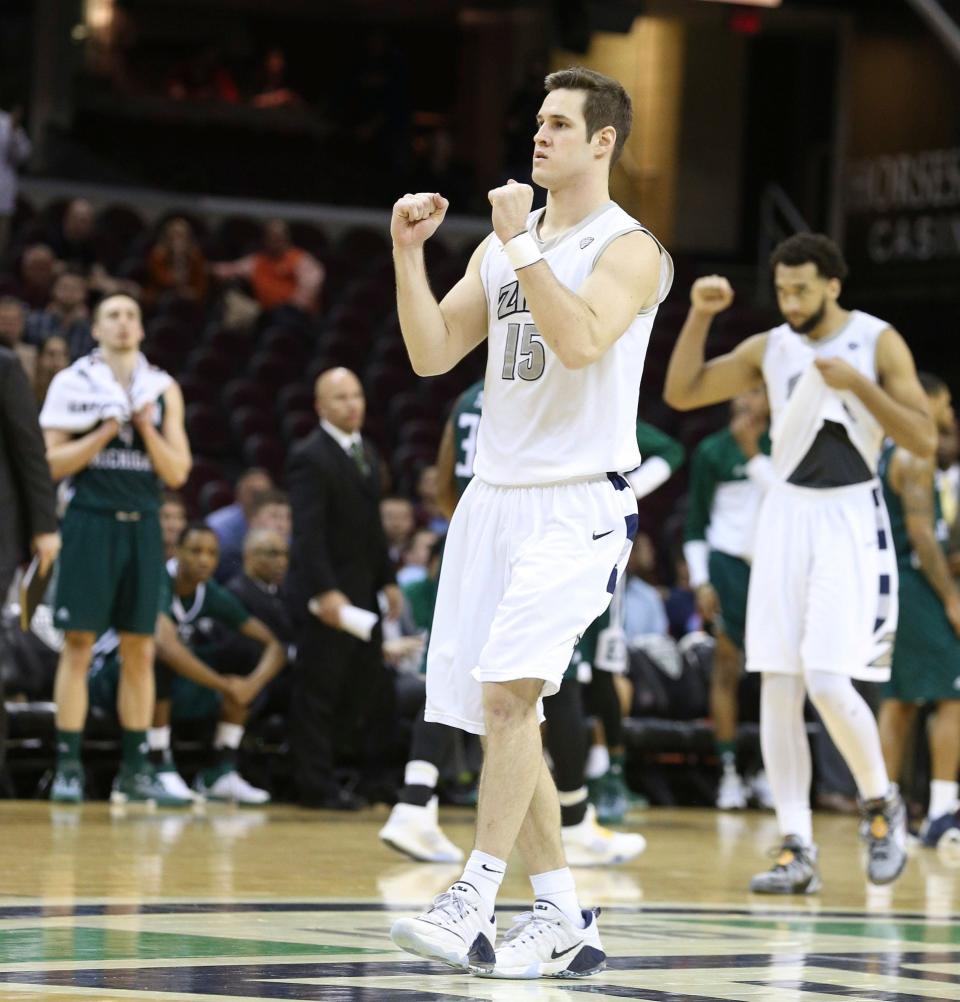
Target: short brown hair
{"x":811,"y":248}
{"x":605,"y":102}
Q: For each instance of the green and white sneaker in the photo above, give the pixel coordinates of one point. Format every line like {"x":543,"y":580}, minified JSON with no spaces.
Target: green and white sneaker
{"x":610,"y":796}
{"x":143,"y":787}
{"x":67,"y":786}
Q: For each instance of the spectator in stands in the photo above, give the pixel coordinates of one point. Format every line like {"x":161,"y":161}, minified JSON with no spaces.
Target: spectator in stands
{"x":72,"y":239}
{"x":15,"y":148}
{"x":416,"y":557}
{"x":281,"y":274}
{"x":176,"y":265}
{"x":644,"y":612}
{"x":273,"y":91}
{"x":272,"y":511}
{"x":399,"y":523}
{"x":52,"y":357}
{"x":67,"y":315}
{"x":681,"y":602}
{"x":13,"y":318}
{"x":231,"y":523}
{"x":173,"y":520}
{"x":38,"y":271}
{"x":266,"y":557}
{"x":428,"y":513}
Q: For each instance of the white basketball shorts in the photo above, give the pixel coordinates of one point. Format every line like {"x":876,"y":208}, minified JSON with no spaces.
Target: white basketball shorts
{"x":823,"y":584}
{"x":525,"y":571}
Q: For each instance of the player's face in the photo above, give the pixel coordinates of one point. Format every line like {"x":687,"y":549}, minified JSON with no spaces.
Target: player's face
{"x":561,"y":147}
{"x":118,"y":325}
{"x":198,"y":556}
{"x":804,"y":295}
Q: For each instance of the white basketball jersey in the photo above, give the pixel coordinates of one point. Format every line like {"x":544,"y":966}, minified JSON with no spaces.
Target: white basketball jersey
{"x":543,"y":423}
{"x":800,"y":400}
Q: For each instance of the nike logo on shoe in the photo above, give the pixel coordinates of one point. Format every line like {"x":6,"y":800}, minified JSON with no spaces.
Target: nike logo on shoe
{"x":600,"y":535}
{"x":489,"y":869}
{"x":556,"y":956}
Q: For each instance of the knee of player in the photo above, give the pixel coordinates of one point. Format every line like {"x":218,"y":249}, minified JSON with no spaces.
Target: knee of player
{"x":825,"y":688}
{"x":78,"y":647}
{"x":507,"y":705}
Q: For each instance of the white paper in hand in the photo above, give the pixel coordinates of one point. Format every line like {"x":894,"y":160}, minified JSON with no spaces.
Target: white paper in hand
{"x":354,"y":620}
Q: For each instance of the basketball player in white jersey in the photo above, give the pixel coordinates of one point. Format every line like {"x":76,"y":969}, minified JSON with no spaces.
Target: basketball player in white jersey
{"x":566,"y":298}
{"x":822,"y":604}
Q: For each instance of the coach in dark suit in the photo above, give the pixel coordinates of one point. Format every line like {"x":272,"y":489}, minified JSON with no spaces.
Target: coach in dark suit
{"x":338,"y":557}
{"x":28,"y":506}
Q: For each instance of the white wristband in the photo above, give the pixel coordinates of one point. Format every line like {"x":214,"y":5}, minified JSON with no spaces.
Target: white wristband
{"x":522,"y":251}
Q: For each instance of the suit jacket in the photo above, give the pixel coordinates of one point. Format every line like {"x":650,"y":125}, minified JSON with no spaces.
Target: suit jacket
{"x":28,"y":502}
{"x":338,"y":539}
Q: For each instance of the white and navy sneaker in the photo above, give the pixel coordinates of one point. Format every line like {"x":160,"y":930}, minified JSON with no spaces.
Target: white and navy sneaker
{"x":454,"y":930}
{"x":415,"y":831}
{"x":590,"y":844}
{"x":544,"y":943}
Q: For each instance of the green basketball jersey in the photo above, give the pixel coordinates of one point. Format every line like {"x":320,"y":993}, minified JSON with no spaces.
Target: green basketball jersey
{"x":898,"y":523}
{"x":196,"y":616}
{"x":121,"y":476}
{"x":466,"y":421}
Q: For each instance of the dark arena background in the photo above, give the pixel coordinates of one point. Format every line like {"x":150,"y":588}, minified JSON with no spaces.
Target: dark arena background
{"x":171,"y":150}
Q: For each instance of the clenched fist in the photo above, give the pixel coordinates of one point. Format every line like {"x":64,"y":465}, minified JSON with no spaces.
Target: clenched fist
{"x":711,"y":294}
{"x":416,"y":218}
{"x":511,"y":206}
{"x":838,"y":373}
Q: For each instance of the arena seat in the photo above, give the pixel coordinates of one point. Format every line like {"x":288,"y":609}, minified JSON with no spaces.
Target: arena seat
{"x":295,"y":397}
{"x":265,"y":451}
{"x":244,"y":392}
{"x":245,"y":422}
{"x":197,"y":390}
{"x":271,"y":370}
{"x":207,"y":427}
{"x":214,"y":366}
{"x":297,"y":425}
{"x":213,"y":495}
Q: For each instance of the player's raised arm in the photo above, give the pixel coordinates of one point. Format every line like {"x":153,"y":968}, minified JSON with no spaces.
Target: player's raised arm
{"x":578,"y":326}
{"x":691,"y":380}
{"x":437,"y":335}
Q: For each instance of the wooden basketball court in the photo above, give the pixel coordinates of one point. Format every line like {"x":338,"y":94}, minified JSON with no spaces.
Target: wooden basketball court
{"x":284,"y":903}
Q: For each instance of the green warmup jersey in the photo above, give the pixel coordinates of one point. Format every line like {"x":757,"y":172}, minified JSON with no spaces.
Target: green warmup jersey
{"x":196,"y":618}
{"x":466,"y":421}
{"x":654,"y":442}
{"x":121,"y":476}
{"x":926,"y":653}
{"x":723,"y":503}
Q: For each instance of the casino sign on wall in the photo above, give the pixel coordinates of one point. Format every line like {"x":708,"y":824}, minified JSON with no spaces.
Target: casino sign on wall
{"x":903,"y":216}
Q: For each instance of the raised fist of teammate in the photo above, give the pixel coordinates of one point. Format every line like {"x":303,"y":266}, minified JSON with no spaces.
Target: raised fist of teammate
{"x":711,"y":294}
{"x":511,"y":205}
{"x":416,"y":218}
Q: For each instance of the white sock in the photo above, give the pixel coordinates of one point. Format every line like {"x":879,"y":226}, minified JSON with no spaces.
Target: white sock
{"x":158,"y":738}
{"x":485,"y":873}
{"x":786,"y":752}
{"x":421,"y":774}
{"x":228,"y":735}
{"x":598,"y":762}
{"x":853,"y":729}
{"x":557,"y":887}
{"x":944,"y":797}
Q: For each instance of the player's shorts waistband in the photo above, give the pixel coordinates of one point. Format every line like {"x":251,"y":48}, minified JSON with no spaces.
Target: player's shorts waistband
{"x":617,"y":479}
{"x":117,"y":516}
{"x":828,"y":492}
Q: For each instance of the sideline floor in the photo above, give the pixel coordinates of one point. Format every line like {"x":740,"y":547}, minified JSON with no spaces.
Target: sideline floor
{"x":290,"y":904}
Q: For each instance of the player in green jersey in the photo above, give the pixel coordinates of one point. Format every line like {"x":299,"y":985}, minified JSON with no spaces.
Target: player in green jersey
{"x":926,"y":655}
{"x":729,"y":472}
{"x":113,"y":424}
